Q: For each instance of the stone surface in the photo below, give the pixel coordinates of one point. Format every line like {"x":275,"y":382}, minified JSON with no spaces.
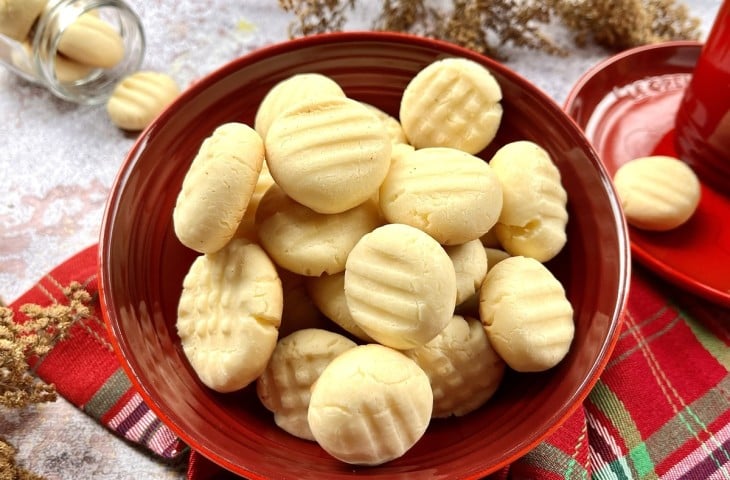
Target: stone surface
{"x":58,"y":161}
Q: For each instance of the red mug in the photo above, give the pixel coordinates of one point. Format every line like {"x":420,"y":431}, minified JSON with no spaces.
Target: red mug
{"x":702,"y":125}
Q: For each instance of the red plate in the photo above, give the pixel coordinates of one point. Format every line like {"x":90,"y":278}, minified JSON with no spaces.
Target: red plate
{"x":626,"y":106}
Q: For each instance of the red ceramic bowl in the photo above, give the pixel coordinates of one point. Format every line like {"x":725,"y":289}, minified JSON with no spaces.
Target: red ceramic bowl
{"x":143,"y":264}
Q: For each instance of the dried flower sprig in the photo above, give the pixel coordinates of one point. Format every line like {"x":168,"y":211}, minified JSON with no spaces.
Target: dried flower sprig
{"x":488,"y":25}
{"x":25,"y":343}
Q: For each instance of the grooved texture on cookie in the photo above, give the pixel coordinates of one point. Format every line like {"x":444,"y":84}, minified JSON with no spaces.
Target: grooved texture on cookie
{"x":228,"y":315}
{"x":527,"y":317}
{"x":328,"y":294}
{"x":217,"y":187}
{"x":400,"y":286}
{"x":306,"y":242}
{"x":370,"y":405}
{"x":454,"y":102}
{"x":299,"y":88}
{"x":534,"y":214}
{"x":449,"y":194}
{"x":658,"y":192}
{"x":330,"y":155}
{"x":139,"y":98}
{"x":463,"y":368}
{"x":296,"y":363}
{"x":92,"y":41}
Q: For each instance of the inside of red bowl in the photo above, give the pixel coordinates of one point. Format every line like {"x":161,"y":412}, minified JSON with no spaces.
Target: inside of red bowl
{"x":143,"y":264}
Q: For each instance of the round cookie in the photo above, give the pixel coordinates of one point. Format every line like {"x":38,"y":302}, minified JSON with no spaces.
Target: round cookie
{"x":285,"y":386}
{"x":658,"y":192}
{"x":330,"y":155}
{"x":299,"y":88}
{"x":453,"y":102}
{"x":400,"y":286}
{"x":463,"y":368}
{"x":370,"y":405}
{"x":217,"y":187}
{"x":449,"y":194}
{"x":526,"y":315}
{"x":470,"y":263}
{"x":228,"y":315}
{"x":139,"y":98}
{"x":306,"y":242}
{"x":534,"y":215}
{"x":328,"y":294}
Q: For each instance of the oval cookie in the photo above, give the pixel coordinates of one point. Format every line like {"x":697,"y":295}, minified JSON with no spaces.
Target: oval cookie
{"x":449,"y":194}
{"x":400,"y":286}
{"x":330,"y":155}
{"x":658,"y":192}
{"x":217,"y":187}
{"x":370,"y":405}
{"x":526,"y":315}
{"x":454,"y":102}
{"x":534,"y":214}
{"x":229,"y":314}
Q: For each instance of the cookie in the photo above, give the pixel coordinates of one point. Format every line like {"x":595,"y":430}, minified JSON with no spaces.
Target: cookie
{"x":400,"y":286}
{"x":328,"y":294}
{"x":391,"y":124}
{"x":449,"y":194}
{"x":228,"y":315}
{"x":296,"y":363}
{"x":470,"y":264}
{"x":463,"y":368}
{"x":534,"y":214}
{"x":658,"y":192}
{"x":527,"y":317}
{"x":92,"y":41}
{"x":307,"y":242}
{"x":299,"y":88}
{"x":18,"y":16}
{"x":329,"y":155}
{"x":217,"y":187}
{"x":370,"y":405}
{"x":138,"y":98}
{"x":453,"y":102}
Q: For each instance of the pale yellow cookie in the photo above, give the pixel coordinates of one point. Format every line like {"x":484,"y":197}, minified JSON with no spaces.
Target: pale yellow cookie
{"x":330,"y":155}
{"x":658,"y":192}
{"x":139,"y":98}
{"x":217,"y":187}
{"x":229,"y":314}
{"x":400,"y":286}
{"x":449,"y":194}
{"x":299,"y":312}
{"x":328,"y":294}
{"x":299,"y":88}
{"x":306,"y":242}
{"x":370,"y":405}
{"x":463,"y":368}
{"x":17,"y":17}
{"x":66,"y":70}
{"x":92,"y":41}
{"x":534,"y":215}
{"x":453,"y":102}
{"x":391,"y":124}
{"x":527,"y":317}
{"x":297,"y":362}
{"x":470,"y":263}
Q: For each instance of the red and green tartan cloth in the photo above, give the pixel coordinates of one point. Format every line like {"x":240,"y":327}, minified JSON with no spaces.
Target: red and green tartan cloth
{"x":660,"y":410}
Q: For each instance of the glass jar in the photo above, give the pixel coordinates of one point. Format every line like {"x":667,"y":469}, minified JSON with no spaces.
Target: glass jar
{"x":38,"y":60}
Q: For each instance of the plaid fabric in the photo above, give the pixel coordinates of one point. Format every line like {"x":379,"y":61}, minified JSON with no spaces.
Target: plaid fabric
{"x":661,"y":409}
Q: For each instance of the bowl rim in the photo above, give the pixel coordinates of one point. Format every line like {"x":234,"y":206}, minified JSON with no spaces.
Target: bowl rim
{"x":107,"y":304}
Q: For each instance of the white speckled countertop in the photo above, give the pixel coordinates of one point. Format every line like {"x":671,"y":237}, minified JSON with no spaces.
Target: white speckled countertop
{"x":58,"y":161}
